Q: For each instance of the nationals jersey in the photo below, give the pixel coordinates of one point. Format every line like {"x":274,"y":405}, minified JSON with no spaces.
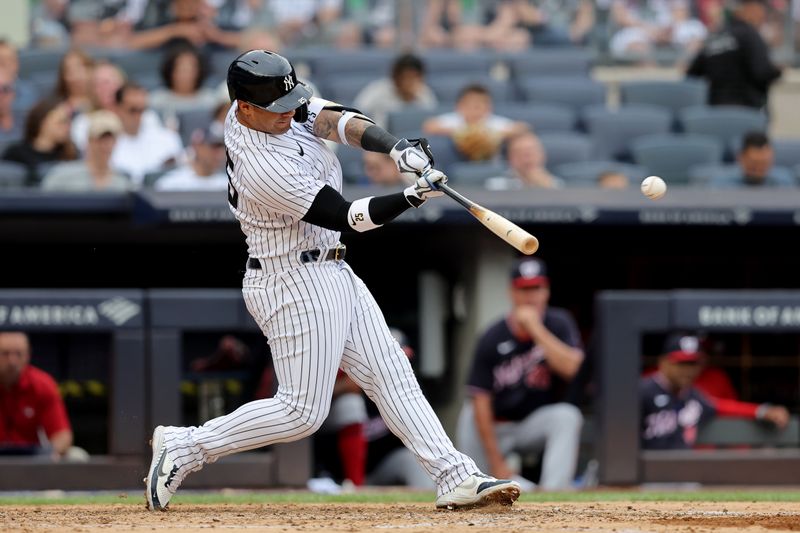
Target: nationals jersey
{"x":272,"y":182}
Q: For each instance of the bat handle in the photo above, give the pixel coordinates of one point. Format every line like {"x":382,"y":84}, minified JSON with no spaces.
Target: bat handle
{"x":455,"y":195}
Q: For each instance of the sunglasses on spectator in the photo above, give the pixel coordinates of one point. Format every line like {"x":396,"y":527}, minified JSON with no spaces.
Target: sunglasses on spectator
{"x":135,"y":110}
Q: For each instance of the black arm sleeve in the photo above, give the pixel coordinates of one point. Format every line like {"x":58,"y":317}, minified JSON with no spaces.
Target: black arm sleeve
{"x":377,"y":139}
{"x":329,"y":209}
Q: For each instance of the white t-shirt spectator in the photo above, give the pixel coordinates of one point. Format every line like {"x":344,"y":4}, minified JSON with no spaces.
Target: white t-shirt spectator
{"x":495,"y":123}
{"x":186,"y":179}
{"x":149,"y":151}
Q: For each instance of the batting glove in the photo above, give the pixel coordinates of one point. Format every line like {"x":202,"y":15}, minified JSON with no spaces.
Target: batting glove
{"x":426,"y":186}
{"x":412,"y":157}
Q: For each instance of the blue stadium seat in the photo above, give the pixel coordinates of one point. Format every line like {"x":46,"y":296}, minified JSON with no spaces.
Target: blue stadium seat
{"x":344,"y":90}
{"x":135,"y":64}
{"x":611,"y":131}
{"x":401,"y":123}
{"x":444,"y":151}
{"x":33,"y":60}
{"x":565,"y":148}
{"x":701,"y":175}
{"x":477,"y":64}
{"x":475,"y":173}
{"x":542,"y":118}
{"x":575,"y":92}
{"x":585,"y":173}
{"x":787,"y":152}
{"x":447,"y":87}
{"x":674,"y":95}
{"x":12,"y":174}
{"x":671,"y":156}
{"x":189,"y":121}
{"x":550,"y":62}
{"x":725,"y":123}
{"x":352,"y":161}
{"x":338,"y":63}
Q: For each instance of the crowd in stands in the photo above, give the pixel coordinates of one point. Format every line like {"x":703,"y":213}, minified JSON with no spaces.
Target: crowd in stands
{"x":500,"y":87}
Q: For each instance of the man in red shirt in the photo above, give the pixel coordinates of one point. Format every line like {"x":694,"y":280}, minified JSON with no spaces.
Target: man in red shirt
{"x":32,"y":413}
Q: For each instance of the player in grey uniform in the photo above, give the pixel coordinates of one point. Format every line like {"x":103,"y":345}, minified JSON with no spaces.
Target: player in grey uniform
{"x":316,"y":313}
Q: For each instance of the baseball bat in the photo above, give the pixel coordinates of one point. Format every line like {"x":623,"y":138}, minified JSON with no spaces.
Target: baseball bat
{"x":500,"y":226}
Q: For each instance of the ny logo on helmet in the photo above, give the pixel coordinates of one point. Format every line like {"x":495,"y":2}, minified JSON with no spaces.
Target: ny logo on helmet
{"x":288,"y":83}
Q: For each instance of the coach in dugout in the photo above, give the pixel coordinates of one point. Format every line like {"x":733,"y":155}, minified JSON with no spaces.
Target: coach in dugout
{"x":522,"y":364}
{"x":673,"y":407}
{"x":33,"y":418}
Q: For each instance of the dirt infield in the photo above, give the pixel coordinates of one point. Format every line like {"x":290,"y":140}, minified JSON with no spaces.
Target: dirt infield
{"x":695,"y":517}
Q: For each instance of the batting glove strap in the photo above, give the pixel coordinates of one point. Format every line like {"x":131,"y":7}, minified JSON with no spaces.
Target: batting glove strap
{"x":425,"y":187}
{"x":412,"y":157}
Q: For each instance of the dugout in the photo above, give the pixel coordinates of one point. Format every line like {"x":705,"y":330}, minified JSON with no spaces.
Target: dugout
{"x":93,"y":343}
{"x":192,"y":377}
{"x":624,"y":320}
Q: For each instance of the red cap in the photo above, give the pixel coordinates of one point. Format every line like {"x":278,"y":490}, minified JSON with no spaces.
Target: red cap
{"x":529,"y":272}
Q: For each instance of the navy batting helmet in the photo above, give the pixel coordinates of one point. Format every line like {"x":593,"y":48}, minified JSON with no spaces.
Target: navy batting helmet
{"x":267,"y":80}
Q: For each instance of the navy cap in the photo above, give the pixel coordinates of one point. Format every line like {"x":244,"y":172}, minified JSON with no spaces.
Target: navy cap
{"x":529,"y":272}
{"x":213,"y":133}
{"x":683,"y":348}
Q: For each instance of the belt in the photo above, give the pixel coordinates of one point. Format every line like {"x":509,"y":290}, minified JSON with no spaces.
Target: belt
{"x":336,"y":253}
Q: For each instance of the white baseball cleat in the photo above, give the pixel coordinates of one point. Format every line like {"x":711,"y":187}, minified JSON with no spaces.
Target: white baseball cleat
{"x":479,"y":490}
{"x":162,"y":480}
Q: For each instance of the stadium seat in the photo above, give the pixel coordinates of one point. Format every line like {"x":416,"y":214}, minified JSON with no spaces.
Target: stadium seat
{"x":12,"y":174}
{"x":674,"y":95}
{"x":575,"y":92}
{"x":447,"y":87}
{"x":477,"y":64}
{"x":565,"y":148}
{"x":344,"y":90}
{"x":136,"y":64}
{"x":352,"y":161}
{"x":410,"y":120}
{"x":338,"y":63}
{"x":787,"y":152}
{"x":701,"y":175}
{"x":585,"y":173}
{"x":189,"y":121}
{"x":542,"y":118}
{"x":444,"y":151}
{"x":34,"y":60}
{"x":550,"y":62}
{"x":725,"y":123}
{"x":611,"y":131}
{"x":475,"y":173}
{"x":671,"y":156}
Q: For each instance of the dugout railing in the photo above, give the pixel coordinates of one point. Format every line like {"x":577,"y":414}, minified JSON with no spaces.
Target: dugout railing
{"x":623,"y":319}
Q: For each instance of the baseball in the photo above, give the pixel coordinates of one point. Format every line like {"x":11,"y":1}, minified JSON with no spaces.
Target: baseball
{"x":654,"y":187}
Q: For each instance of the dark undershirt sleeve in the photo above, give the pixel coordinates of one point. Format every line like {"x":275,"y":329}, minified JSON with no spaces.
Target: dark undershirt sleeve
{"x":330,"y":210}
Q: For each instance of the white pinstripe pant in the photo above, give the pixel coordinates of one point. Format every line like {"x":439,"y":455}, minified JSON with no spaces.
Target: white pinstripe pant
{"x":317,"y":318}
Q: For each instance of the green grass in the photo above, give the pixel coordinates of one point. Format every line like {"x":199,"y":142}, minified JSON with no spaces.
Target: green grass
{"x":216,"y":498}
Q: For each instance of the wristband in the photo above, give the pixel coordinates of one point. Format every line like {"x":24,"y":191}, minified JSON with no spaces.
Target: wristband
{"x":340,"y":126}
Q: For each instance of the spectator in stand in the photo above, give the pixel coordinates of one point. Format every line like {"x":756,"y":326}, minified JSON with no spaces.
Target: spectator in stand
{"x":49,"y":26}
{"x":10,"y":120}
{"x":672,"y":407}
{"x":518,"y":24}
{"x":163,"y":23}
{"x":313,"y":22}
{"x":611,"y":179}
{"x":475,"y":130}
{"x":205,"y":169}
{"x":73,"y":85}
{"x":101,"y":23}
{"x":33,"y":413}
{"x":106,"y":80}
{"x":26,"y":93}
{"x":522,"y":364}
{"x":46,"y":139}
{"x":94,"y":172}
{"x":644,"y":25}
{"x":405,"y":89}
{"x":380,"y":169}
{"x":736,"y":61}
{"x":526,"y":160}
{"x":755,"y":166}
{"x":449,"y":23}
{"x":144,"y":145}
{"x":183,"y":72}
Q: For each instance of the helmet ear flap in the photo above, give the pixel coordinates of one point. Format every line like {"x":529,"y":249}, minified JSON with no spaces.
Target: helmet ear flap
{"x":301,"y":113}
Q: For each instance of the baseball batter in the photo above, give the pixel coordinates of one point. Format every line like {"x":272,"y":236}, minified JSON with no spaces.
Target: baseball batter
{"x":318,"y":316}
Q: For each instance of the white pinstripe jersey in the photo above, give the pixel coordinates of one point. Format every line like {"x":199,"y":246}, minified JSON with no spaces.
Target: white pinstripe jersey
{"x":273,"y":180}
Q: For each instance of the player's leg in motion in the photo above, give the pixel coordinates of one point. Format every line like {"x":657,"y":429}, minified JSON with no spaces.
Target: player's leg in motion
{"x":376,"y":362}
{"x":305,"y":314}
